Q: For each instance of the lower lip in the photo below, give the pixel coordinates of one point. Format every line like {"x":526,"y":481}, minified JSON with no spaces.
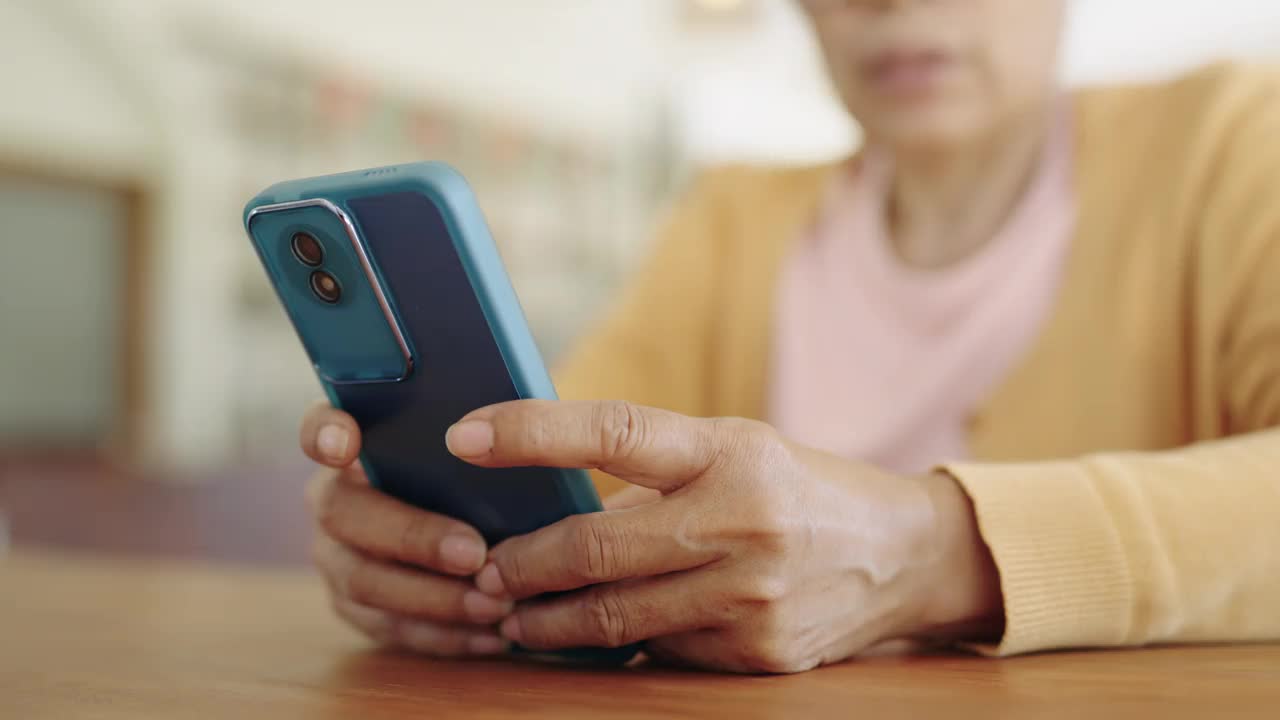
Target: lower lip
{"x":908,"y":79}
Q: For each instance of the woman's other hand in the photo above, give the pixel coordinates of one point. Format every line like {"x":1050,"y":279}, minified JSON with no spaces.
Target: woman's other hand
{"x":401,"y":575}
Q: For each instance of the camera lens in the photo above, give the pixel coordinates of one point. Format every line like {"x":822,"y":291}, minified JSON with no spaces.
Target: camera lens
{"x":307,"y":249}
{"x":326,"y":287}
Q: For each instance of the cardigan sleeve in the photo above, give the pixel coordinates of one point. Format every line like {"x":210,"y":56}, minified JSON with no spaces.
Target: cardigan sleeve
{"x":1132,"y":549}
{"x":1125,"y":549}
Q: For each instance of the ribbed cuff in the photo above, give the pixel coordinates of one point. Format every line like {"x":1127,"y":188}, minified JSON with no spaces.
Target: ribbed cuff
{"x":1063,"y":572}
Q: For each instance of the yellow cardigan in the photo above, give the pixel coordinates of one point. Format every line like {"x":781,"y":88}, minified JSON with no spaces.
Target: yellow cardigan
{"x":1126,"y":479}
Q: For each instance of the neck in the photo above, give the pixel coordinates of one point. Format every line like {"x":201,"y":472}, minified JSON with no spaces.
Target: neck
{"x":947,"y":203}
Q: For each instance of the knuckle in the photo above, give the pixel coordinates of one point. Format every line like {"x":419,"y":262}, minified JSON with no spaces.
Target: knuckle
{"x":777,"y":659}
{"x":594,"y":551}
{"x":443,"y":603}
{"x":775,"y":650}
{"x":419,"y":538}
{"x":513,"y":570}
{"x":621,"y":426}
{"x":765,"y":590}
{"x":769,"y":510}
{"x":758,"y":443}
{"x":751,"y":452}
{"x":607,"y":617}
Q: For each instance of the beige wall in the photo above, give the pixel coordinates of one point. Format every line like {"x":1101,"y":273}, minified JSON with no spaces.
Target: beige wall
{"x":119,"y":89}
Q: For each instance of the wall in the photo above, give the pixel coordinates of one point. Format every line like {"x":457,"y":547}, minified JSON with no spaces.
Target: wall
{"x":760,"y":95}
{"x":1111,"y":41}
{"x":564,"y":64}
{"x":121,"y":89}
{"x":67,"y":108}
{"x":59,"y":351}
{"x":581,"y":64}
{"x":113,"y":89}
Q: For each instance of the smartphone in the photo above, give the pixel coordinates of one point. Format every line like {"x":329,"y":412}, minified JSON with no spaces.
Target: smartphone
{"x":397,"y":291}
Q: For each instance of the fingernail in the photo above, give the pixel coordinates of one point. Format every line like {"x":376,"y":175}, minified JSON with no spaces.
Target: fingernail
{"x":332,"y":442}
{"x":489,"y":581}
{"x":487,"y":645}
{"x":472,"y":438}
{"x":510,"y":629}
{"x":485,"y":609}
{"x":461,"y":553}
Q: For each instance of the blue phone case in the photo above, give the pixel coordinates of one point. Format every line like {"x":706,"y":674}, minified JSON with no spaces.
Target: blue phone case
{"x":408,"y":244}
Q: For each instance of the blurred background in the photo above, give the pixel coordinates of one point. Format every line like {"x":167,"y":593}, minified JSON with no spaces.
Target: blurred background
{"x":150,"y":386}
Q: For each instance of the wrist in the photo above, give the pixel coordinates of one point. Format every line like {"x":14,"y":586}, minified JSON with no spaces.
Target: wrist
{"x":963,"y":588}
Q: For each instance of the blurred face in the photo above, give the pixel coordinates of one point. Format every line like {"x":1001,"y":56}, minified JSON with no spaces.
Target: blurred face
{"x":929,"y":73}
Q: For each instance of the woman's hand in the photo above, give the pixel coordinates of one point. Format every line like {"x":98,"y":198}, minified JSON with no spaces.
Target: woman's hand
{"x":754,"y":554}
{"x":401,"y":575}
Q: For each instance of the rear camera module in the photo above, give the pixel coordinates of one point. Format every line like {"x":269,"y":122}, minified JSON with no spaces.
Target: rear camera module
{"x":326,"y":287}
{"x":307,"y":249}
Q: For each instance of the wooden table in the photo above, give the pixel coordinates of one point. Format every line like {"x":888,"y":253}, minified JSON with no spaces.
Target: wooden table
{"x":85,"y":637}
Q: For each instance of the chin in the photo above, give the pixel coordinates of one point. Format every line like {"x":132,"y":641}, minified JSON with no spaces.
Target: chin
{"x":924,"y":130}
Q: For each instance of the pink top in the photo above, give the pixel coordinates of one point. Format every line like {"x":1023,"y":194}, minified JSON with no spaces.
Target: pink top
{"x":877,"y":361}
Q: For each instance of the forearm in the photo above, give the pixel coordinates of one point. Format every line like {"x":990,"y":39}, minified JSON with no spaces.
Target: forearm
{"x":1130,"y":549}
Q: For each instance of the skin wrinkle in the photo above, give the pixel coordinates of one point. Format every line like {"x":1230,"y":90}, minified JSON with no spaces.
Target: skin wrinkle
{"x":860,"y":531}
{"x":818,"y":557}
{"x":809,"y":558}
